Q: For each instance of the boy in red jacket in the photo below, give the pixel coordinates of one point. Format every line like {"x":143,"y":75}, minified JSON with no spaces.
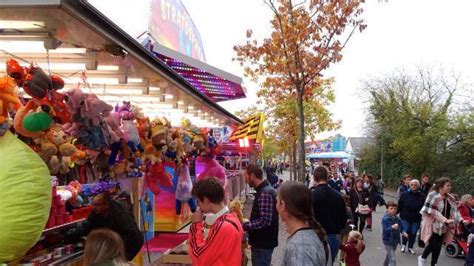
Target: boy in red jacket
{"x":222,"y":246}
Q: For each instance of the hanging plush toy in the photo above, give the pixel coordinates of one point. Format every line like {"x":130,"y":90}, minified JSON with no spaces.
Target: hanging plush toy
{"x":42,"y":87}
{"x":214,"y":169}
{"x":184,"y":188}
{"x":155,"y":176}
{"x":56,"y":150}
{"x":126,"y":117}
{"x":8,"y":99}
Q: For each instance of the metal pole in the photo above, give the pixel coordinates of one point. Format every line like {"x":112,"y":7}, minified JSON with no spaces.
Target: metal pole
{"x":381,"y":157}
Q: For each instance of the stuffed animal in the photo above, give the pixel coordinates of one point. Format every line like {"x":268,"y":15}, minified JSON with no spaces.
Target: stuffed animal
{"x":56,"y":150}
{"x":184,"y":188}
{"x":88,"y":119}
{"x":75,"y":188}
{"x":42,"y":87}
{"x":214,"y":169}
{"x":8,"y":98}
{"x":155,"y":176}
{"x":125,"y":117}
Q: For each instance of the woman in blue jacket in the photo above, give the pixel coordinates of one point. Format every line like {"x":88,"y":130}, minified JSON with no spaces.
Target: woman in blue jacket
{"x":409,"y":207}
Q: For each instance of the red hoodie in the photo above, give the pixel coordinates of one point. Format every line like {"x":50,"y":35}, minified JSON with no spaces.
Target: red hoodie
{"x":352,"y":256}
{"x":223,"y":245}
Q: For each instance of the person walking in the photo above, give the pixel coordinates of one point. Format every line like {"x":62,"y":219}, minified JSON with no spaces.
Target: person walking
{"x":359,"y":204}
{"x":374,"y":198}
{"x":224,"y":241}
{"x":391,"y":226}
{"x":353,"y":248}
{"x":425,"y":185}
{"x":336,"y":183}
{"x":409,"y":207}
{"x":329,"y":209}
{"x":404,"y":185}
{"x":307,"y":244}
{"x":439,"y":217}
{"x":263,"y":224}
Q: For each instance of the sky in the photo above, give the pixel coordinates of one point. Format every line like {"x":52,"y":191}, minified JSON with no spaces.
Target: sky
{"x":401,"y":34}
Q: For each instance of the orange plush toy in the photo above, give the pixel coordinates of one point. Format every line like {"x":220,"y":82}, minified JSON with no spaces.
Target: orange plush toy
{"x":8,"y":99}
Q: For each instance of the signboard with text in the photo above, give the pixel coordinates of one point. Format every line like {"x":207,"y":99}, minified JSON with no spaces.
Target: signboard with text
{"x":171,"y":26}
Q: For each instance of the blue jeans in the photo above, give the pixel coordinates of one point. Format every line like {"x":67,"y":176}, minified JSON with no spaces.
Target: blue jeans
{"x":390,"y":257}
{"x":261,"y":256}
{"x":410,"y":228}
{"x":334,"y":241}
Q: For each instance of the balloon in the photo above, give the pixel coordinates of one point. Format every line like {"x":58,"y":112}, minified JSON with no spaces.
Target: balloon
{"x":25,"y":197}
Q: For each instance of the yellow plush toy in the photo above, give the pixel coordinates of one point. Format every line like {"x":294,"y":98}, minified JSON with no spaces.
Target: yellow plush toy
{"x":56,"y":150}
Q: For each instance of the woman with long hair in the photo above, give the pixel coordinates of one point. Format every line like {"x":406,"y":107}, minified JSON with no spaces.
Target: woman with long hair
{"x":104,"y":247}
{"x":307,"y":244}
{"x":359,"y":197}
{"x":439,"y":217}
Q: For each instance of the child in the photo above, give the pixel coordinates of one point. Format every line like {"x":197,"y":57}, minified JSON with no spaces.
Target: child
{"x":353,"y":248}
{"x":391,"y":226}
{"x":347,"y":229}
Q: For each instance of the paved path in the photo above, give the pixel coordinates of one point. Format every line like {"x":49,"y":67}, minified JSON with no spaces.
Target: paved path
{"x":374,"y":254}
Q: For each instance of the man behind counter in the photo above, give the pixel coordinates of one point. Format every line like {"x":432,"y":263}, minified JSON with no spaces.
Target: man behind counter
{"x":109,"y":214}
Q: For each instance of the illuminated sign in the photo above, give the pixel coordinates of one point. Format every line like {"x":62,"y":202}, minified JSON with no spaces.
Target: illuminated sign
{"x":171,"y":26}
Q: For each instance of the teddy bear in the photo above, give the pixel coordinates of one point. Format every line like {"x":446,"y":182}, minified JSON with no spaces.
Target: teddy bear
{"x":56,"y":150}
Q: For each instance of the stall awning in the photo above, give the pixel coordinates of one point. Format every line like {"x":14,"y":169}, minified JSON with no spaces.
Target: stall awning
{"x":330,"y":155}
{"x":73,"y":24}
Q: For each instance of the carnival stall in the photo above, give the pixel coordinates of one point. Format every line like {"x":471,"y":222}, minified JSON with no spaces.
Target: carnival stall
{"x":86,"y":109}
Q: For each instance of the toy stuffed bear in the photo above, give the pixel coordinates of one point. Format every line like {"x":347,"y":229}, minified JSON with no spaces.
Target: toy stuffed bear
{"x":56,"y":150}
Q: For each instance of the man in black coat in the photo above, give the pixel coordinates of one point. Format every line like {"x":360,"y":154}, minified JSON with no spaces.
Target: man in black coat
{"x":329,"y":209}
{"x":111,"y":215}
{"x":425,"y":184}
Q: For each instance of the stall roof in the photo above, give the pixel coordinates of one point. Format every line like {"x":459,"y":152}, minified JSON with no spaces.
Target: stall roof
{"x":213,"y":82}
{"x":330,"y":155}
{"x":97,"y":22}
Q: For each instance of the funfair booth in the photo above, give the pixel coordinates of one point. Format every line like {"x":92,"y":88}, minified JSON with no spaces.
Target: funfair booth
{"x":72,"y":53}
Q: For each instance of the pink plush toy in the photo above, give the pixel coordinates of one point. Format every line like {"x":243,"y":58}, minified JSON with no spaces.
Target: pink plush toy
{"x":214,"y":169}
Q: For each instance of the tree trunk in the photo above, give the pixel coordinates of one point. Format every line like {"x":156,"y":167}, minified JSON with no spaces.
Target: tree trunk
{"x":301,"y":137}
{"x":294,"y":163}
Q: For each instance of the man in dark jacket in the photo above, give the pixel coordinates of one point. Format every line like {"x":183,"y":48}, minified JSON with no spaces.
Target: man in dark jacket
{"x":425,"y":185}
{"x":110,"y":214}
{"x":329,"y":209}
{"x":263,"y":224}
{"x":409,"y":207}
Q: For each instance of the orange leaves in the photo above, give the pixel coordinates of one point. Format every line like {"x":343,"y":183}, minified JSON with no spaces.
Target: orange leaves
{"x":306,"y":38}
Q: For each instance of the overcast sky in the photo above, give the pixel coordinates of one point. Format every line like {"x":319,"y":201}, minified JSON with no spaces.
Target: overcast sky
{"x":400,"y":34}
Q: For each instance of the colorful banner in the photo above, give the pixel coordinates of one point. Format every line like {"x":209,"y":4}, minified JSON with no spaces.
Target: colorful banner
{"x":171,"y":26}
{"x":147,"y":212}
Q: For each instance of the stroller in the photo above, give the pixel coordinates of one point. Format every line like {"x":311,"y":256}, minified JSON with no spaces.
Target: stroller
{"x":458,"y":246}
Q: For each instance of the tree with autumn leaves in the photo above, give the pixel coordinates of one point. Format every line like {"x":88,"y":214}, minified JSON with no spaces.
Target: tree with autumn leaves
{"x":306,"y":38}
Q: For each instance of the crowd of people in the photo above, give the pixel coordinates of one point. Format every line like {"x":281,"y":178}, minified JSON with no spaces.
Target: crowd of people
{"x":324,"y":221}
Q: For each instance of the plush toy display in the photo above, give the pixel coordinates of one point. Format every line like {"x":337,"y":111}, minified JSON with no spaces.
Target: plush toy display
{"x":184,"y":188}
{"x":23,"y":215}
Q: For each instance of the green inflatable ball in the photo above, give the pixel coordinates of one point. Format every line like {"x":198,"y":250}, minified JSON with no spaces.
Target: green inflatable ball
{"x":37,"y":122}
{"x":25,"y":197}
